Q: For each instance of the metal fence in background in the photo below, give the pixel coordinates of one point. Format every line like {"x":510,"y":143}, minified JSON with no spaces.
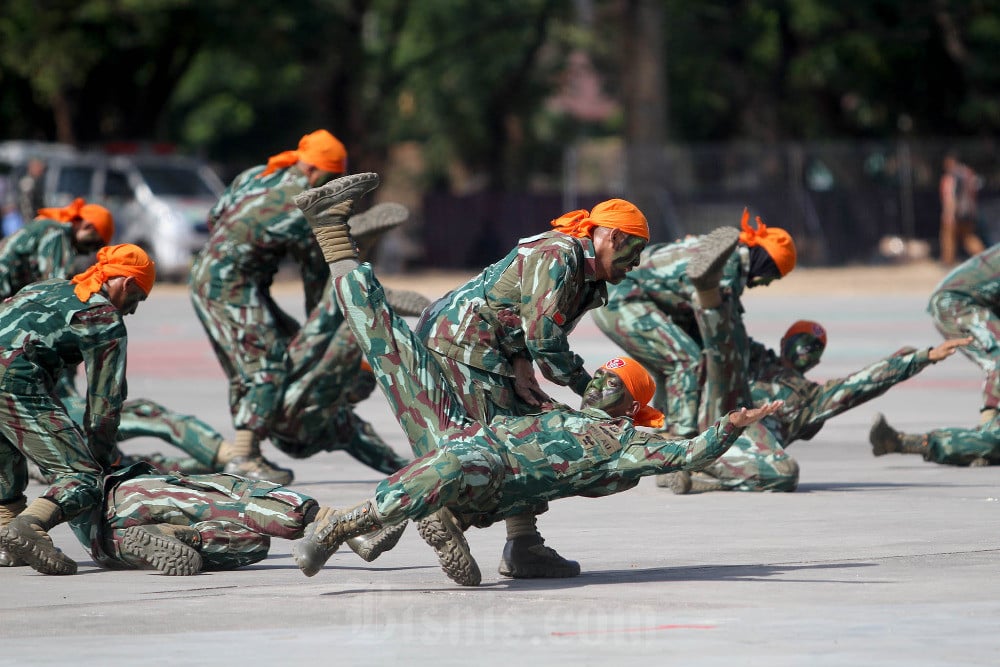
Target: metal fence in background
{"x":838,"y":199}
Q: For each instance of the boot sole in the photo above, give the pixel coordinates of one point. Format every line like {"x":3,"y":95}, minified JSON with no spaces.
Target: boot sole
{"x":378,"y":218}
{"x":714,"y":250}
{"x":170,"y":556}
{"x":441,"y":532}
{"x":537,"y":571}
{"x":337,"y":189}
{"x":370,"y":547}
{"x":406,"y":303}
{"x":46,"y":558}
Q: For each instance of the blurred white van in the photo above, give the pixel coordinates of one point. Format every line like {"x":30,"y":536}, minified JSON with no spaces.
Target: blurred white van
{"x":160,"y":202}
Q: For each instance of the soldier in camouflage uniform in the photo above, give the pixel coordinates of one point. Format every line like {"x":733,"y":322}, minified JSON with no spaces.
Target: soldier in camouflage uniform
{"x":478,"y":471}
{"x":43,"y":328}
{"x":181,"y":525}
{"x":739,"y":371}
{"x":253,"y":227}
{"x":486,"y":336}
{"x":46,"y":247}
{"x":973,"y":447}
{"x":650,"y":313}
{"x":967,"y":303}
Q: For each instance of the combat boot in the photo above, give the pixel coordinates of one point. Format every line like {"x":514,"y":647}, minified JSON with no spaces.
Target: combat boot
{"x":367,"y":228}
{"x":242,"y":457}
{"x":684,"y":482}
{"x":328,"y":209}
{"x":26,"y":538}
{"x":370,"y":547}
{"x":887,"y":440}
{"x":165,"y":547}
{"x":444,"y":533}
{"x":8,"y":513}
{"x":331,"y":528}
{"x":406,"y":303}
{"x":525,"y":555}
{"x":884,"y":438}
{"x":704,"y":269}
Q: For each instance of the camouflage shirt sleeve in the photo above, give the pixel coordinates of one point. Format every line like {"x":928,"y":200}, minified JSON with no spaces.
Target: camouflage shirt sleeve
{"x":550,"y":282}
{"x":840,"y":395}
{"x":102,"y":336}
{"x":684,"y":454}
{"x":55,"y":254}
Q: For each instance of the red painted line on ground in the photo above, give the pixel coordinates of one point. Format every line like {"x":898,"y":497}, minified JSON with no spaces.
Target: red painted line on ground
{"x":652,"y":628}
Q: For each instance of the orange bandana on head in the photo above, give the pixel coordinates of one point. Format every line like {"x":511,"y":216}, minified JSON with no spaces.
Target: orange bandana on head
{"x":775,"y":241}
{"x":116,"y":260}
{"x":814,"y":329}
{"x":320,"y":149}
{"x":640,"y":384}
{"x":79,"y":209}
{"x":613,"y":213}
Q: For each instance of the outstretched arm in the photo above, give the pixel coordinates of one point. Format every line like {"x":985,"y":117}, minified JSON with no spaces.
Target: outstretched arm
{"x":947,"y":348}
{"x":745,"y":416}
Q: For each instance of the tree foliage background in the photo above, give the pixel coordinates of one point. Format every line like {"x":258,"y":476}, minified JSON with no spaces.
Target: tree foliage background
{"x":473,"y":82}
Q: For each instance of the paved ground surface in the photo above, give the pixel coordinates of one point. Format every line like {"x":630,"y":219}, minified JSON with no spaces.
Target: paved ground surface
{"x":889,"y":561}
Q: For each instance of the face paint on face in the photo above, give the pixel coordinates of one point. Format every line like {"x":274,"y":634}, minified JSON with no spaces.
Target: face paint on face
{"x":625,"y":257}
{"x":802,"y":351}
{"x":607,"y":391}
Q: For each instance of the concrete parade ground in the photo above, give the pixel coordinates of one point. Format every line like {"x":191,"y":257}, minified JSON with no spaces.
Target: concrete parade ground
{"x":873,"y":561}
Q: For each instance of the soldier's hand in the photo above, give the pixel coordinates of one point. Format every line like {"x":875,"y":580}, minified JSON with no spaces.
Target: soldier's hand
{"x":747,"y":416}
{"x":947,"y":348}
{"x":525,"y":384}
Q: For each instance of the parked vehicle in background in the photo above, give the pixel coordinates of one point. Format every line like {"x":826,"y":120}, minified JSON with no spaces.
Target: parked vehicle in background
{"x":160,"y":201}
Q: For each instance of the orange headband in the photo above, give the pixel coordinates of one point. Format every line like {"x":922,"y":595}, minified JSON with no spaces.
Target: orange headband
{"x":640,"y":384}
{"x":776,"y":241}
{"x":79,"y":209}
{"x":116,"y":260}
{"x":814,"y":329}
{"x":613,"y":213}
{"x":320,"y":149}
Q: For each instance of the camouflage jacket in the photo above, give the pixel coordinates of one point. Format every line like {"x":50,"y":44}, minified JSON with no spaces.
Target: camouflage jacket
{"x":524,"y":305}
{"x":563,"y":452}
{"x":43,"y":329}
{"x":253,"y":227}
{"x":809,"y":404}
{"x":977,"y":279}
{"x":661,"y":278}
{"x":41,"y":250}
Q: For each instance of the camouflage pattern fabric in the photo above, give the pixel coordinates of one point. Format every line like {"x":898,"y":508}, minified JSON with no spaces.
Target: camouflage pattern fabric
{"x":967,"y":303}
{"x":41,"y":250}
{"x":142,"y":418}
{"x":509,"y":466}
{"x":315,"y":413}
{"x":650,"y":315}
{"x":43,"y":329}
{"x":808,"y":404}
{"x":757,"y":461}
{"x":961,"y":446}
{"x":235,"y":517}
{"x":254,"y":226}
{"x":525,"y":305}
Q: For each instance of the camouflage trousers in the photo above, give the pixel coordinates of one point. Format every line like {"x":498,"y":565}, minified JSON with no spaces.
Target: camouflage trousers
{"x":469,"y":466}
{"x":38,"y":427}
{"x":250,"y":342}
{"x":315,"y":413}
{"x":960,"y":446}
{"x":757,"y":461}
{"x":144,"y":418}
{"x":235,"y":517}
{"x":956,"y":316}
{"x":669,"y":351}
